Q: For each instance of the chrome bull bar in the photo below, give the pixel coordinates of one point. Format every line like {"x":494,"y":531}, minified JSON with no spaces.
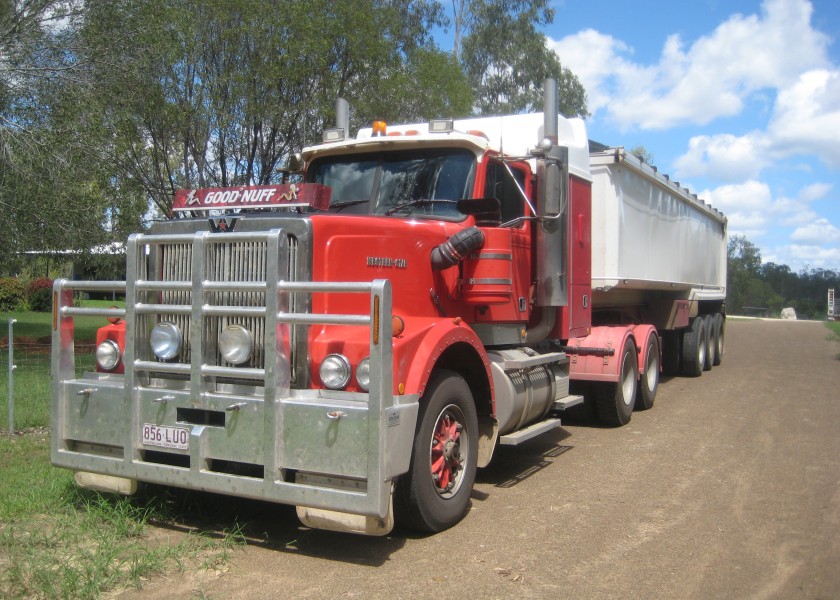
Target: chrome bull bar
{"x":318,"y":448}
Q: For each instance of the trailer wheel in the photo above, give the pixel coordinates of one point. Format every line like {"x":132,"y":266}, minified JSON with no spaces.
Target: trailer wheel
{"x":649,"y":380}
{"x":719,"y":325}
{"x":435,"y":492}
{"x":615,"y":400}
{"x":694,"y":348}
{"x":709,"y":322}
{"x":670,"y":352}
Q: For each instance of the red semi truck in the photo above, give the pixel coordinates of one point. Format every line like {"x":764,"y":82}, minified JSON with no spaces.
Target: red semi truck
{"x":358,"y":343}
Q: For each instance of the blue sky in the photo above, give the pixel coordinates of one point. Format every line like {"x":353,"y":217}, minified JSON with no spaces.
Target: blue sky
{"x":739,"y":100}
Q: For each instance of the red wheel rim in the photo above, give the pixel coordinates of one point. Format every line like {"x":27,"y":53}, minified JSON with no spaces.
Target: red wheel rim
{"x":448,"y":451}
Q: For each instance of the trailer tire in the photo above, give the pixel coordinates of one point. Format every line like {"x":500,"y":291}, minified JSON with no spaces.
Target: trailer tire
{"x":709,"y":322}
{"x":615,"y":400}
{"x":694,"y":348}
{"x":435,"y":493}
{"x":720,"y":324}
{"x":670,"y":352}
{"x":649,"y":379}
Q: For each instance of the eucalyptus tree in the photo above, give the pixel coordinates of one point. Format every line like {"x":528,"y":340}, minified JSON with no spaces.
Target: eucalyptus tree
{"x":507,"y":59}
{"x":220,"y":92}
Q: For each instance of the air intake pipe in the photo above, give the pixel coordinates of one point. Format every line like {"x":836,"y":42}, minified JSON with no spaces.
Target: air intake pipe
{"x":456,"y":248}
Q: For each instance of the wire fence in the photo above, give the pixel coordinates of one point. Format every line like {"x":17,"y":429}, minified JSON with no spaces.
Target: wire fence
{"x":26,"y":380}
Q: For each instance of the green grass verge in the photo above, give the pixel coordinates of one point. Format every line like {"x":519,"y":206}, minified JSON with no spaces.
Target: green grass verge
{"x":58,"y":541}
{"x":32,"y":344}
{"x":38,"y":325}
{"x":834,"y":327}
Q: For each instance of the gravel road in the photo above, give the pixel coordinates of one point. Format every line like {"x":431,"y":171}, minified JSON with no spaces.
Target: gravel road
{"x":728,"y":488}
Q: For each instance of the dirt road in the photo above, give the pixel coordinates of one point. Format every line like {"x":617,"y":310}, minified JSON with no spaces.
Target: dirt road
{"x":728,"y":488}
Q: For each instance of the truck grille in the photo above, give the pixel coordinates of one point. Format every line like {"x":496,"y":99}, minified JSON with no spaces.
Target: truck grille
{"x":225,"y":262}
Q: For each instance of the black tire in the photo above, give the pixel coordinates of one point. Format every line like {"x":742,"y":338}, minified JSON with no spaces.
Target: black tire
{"x":719,"y":324}
{"x":694,"y":348}
{"x":649,"y":379}
{"x":615,"y":400}
{"x":435,"y":493}
{"x":671,"y":352}
{"x":709,"y":323}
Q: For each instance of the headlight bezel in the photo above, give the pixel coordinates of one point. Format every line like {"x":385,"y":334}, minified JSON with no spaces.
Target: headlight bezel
{"x":339,"y":373}
{"x":363,"y":374}
{"x":108,"y":348}
{"x":236,"y":344}
{"x":166,"y":340}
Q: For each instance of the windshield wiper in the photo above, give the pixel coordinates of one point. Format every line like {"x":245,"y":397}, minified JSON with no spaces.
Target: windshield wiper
{"x":416,"y":202}
{"x":341,"y":205}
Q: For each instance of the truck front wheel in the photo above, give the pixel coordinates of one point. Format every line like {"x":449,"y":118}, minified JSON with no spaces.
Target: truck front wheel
{"x":435,"y":492}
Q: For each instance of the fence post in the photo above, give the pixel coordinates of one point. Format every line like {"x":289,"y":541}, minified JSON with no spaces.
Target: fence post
{"x":12,"y":368}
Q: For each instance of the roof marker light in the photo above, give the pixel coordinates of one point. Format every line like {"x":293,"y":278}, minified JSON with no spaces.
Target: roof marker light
{"x":332,"y":135}
{"x":379,"y":128}
{"x":441,"y":126}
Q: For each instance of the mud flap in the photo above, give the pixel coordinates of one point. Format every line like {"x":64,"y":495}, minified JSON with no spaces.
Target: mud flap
{"x":319,"y":518}
{"x":105,"y":483}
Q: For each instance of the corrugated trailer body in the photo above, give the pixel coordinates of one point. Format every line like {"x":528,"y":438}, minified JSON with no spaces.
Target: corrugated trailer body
{"x":650,"y":234}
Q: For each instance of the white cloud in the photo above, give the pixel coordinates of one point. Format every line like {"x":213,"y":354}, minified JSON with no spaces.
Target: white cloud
{"x":805,"y":121}
{"x":820,"y":232}
{"x":724,"y":157}
{"x":798,"y":256}
{"x":807,"y":117}
{"x":751,"y":195}
{"x":709,"y":79}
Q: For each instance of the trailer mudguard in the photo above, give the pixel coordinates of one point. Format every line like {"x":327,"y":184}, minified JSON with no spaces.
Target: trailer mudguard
{"x":587,"y":365}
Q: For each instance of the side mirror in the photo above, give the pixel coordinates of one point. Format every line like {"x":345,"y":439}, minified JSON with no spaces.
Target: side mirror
{"x":487,"y":211}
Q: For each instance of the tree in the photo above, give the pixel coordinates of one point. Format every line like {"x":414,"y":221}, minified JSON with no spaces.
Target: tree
{"x":53,"y":180}
{"x":220,"y":92}
{"x":642,"y":154}
{"x":742,"y":278}
{"x":507,"y":60}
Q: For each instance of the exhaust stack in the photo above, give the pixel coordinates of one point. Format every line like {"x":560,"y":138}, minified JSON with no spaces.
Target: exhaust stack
{"x":552,"y":206}
{"x":342,"y":116}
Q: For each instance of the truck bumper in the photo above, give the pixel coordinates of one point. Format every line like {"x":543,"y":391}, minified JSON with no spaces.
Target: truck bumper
{"x":312,"y":450}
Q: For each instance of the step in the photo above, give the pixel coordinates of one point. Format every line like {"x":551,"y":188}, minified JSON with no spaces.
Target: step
{"x":530,"y":432}
{"x":567,"y":402}
{"x":535,"y":361}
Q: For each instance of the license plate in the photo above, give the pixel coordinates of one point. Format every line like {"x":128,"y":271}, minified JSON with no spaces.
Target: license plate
{"x":163,"y":436}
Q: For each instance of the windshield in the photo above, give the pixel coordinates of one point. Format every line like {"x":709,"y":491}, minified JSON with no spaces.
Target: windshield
{"x":400,"y":183}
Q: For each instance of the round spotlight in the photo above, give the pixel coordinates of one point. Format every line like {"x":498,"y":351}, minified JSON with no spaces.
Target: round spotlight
{"x":335,"y":372}
{"x":236,"y":344}
{"x":363,"y":374}
{"x":108,"y":355}
{"x":166,"y":340}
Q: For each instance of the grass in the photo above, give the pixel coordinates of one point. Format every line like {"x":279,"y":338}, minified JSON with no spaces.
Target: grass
{"x":57,"y":540}
{"x":38,"y":325}
{"x":834,"y":328}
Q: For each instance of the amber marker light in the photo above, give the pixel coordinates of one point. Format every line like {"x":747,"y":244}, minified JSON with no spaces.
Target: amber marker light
{"x":114,"y":320}
{"x":376,"y":319}
{"x":379,"y":128}
{"x":397,"y":326}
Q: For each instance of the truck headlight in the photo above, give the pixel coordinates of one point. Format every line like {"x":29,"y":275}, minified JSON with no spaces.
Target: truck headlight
{"x":335,"y":372}
{"x":108,"y":355}
{"x":363,"y":374}
{"x":166,"y":340}
{"x":236,"y":344}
